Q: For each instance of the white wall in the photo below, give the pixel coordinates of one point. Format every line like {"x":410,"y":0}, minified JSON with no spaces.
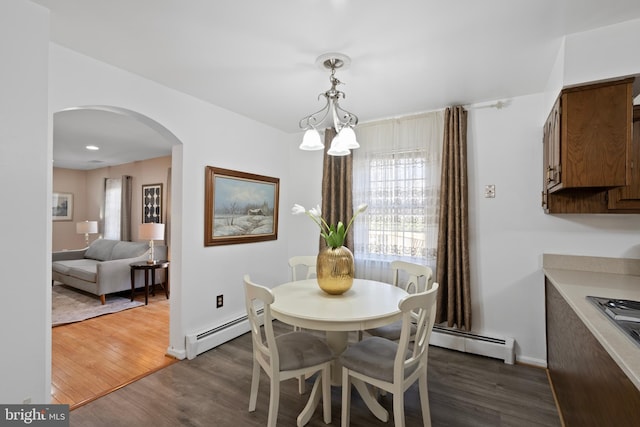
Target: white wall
{"x":25,"y":221}
{"x":603,"y":53}
{"x":210,"y":136}
{"x":510,"y":233}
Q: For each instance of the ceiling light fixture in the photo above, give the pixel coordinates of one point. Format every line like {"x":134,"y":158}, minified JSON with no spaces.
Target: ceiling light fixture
{"x":342,"y":120}
{"x":92,"y":147}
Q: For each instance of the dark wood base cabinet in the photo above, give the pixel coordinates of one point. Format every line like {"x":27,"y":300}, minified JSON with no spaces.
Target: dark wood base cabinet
{"x":590,"y":388}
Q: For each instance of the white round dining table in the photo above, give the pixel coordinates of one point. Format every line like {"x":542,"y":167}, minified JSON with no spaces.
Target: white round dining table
{"x":368,"y":304}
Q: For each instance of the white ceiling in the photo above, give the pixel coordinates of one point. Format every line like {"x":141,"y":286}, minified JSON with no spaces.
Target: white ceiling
{"x":257,"y":57}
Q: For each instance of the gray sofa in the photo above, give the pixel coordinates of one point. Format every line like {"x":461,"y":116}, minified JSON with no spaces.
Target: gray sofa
{"x":103,"y":267}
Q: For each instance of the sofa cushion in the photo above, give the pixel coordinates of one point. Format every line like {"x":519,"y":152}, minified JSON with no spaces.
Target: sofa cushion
{"x":101,"y":249}
{"x":124,"y":250}
{"x":61,"y":267}
{"x":84,"y":269}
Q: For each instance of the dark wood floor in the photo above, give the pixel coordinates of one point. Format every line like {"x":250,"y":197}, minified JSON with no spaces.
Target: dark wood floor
{"x":213,"y":390}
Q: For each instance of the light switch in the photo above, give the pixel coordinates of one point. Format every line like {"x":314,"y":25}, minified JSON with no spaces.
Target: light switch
{"x":489,"y":191}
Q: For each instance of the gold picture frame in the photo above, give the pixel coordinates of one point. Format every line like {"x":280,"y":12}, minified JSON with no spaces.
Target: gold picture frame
{"x":240,"y":207}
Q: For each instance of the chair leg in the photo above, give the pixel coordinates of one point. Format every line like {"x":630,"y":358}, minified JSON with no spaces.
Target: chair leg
{"x":255,"y":382}
{"x":398,"y":408}
{"x":301,"y":384}
{"x":346,"y":398}
{"x":274,"y":402}
{"x":424,"y":400}
{"x":326,"y":393}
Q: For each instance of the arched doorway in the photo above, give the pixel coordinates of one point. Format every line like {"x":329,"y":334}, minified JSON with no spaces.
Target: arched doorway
{"x":124,"y":136}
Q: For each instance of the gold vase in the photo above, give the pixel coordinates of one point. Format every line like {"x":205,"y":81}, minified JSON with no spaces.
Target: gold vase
{"x":334,"y":268}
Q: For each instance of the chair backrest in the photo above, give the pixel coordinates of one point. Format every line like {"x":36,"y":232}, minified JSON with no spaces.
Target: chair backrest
{"x":419,"y":309}
{"x":264,"y":347}
{"x":411,"y":277}
{"x":307,"y":261}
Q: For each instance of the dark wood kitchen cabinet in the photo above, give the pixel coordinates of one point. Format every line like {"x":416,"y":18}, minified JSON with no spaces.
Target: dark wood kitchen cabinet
{"x":590,"y":388}
{"x":588,"y":148}
{"x":628,"y":197}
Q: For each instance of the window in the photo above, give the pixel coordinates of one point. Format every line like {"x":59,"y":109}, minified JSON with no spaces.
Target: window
{"x":112,"y":208}
{"x":397,"y":173}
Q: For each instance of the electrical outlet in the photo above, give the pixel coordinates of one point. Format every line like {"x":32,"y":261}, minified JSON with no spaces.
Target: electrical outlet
{"x":219,"y":301}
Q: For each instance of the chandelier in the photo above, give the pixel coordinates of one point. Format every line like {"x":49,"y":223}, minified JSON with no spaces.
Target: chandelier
{"x":342,"y":120}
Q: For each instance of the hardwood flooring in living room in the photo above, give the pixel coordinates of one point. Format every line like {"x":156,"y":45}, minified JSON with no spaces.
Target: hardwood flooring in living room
{"x":92,"y":358}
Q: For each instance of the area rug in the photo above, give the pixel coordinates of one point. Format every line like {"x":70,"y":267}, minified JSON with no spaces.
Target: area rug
{"x":70,"y":305}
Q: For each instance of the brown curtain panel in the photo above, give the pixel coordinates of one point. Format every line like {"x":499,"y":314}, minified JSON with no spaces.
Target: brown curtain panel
{"x":125,"y":208}
{"x":452,"y":271}
{"x":337,"y":177}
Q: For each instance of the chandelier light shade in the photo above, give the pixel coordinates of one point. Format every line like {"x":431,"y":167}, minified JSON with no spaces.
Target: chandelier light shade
{"x":151,"y":231}
{"x":331,"y":114}
{"x":86,"y":228}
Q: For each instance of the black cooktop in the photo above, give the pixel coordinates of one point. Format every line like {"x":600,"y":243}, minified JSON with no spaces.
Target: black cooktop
{"x":625,"y":314}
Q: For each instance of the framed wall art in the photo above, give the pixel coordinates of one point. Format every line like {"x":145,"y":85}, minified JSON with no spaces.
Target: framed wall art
{"x":62,"y":207}
{"x":239,"y":207}
{"x":152,"y":203}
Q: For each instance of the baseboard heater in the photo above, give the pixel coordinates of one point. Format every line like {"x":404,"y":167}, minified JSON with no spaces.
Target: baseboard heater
{"x":497,"y":348}
{"x":206,"y":340}
{"x":454,"y":339}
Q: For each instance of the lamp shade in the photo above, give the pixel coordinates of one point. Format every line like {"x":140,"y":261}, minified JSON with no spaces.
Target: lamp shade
{"x":311,"y":141}
{"x":338,"y":148}
{"x":151,"y":231}
{"x":348,"y":138}
{"x":87,"y":227}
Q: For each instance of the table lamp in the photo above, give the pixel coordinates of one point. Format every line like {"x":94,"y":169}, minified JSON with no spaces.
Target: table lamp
{"x":151,"y":231}
{"x":86,"y":228}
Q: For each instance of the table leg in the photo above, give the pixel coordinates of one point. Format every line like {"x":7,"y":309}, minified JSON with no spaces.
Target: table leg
{"x":312,"y":403}
{"x":370,"y":400}
{"x":153,"y":282}
{"x":133,"y":282}
{"x":166,"y":279}
{"x":337,"y":341}
{"x":146,"y":286}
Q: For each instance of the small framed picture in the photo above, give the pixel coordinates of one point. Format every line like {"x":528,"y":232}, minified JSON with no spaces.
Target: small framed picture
{"x":240,"y":207}
{"x":62,"y":207}
{"x":152,"y":203}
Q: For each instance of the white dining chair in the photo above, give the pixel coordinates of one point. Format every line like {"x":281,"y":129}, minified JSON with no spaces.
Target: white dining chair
{"x":305,"y":264}
{"x":302,"y":263}
{"x":393,"y":366}
{"x":412,"y":278}
{"x":284,"y":357}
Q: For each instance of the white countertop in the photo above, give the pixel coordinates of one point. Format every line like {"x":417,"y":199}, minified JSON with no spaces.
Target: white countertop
{"x":576,"y":285}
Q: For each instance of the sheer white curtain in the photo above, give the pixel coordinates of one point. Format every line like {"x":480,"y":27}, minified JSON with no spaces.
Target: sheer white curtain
{"x":112,"y":208}
{"x":117,"y":208}
{"x":396,"y":171}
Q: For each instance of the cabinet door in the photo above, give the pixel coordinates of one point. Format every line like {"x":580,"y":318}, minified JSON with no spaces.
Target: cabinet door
{"x":629,"y":197}
{"x":552,"y":148}
{"x":590,"y":388}
{"x":595,"y":135}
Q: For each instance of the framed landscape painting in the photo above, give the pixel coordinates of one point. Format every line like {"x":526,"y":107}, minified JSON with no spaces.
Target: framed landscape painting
{"x":62,"y":207}
{"x":240,"y":207}
{"x":152,"y":203}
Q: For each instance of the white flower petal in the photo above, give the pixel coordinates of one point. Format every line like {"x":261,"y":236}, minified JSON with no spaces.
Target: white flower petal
{"x":363,"y":207}
{"x":315,"y":212}
{"x":298,"y":209}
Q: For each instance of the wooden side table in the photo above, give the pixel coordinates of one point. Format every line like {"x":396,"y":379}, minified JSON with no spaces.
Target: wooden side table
{"x":143,"y":265}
